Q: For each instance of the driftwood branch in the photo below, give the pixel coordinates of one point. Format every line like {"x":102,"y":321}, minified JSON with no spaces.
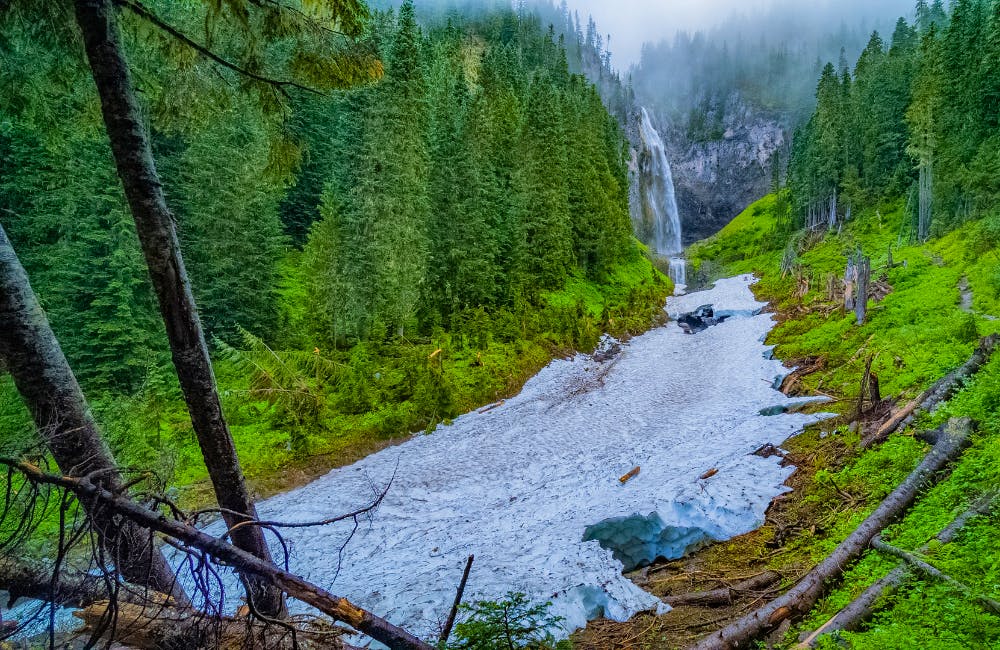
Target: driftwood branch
{"x":725,"y":595}
{"x":940,"y":391}
{"x":861,"y":608}
{"x":336,"y":607}
{"x":801,"y":598}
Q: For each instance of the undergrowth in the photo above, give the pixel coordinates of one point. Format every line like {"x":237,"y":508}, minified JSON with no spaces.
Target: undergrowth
{"x":915,"y":335}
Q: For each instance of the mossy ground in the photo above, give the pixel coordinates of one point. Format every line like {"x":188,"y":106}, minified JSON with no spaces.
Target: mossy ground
{"x":915,"y":335}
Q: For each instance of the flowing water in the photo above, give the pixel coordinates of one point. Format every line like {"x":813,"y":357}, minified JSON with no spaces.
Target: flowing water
{"x":521,"y":485}
{"x":660,"y":201}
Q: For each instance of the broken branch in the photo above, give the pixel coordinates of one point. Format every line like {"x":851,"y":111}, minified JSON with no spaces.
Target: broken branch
{"x":336,"y":607}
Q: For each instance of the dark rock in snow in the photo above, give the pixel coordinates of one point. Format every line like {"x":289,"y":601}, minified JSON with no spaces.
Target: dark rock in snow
{"x":700,"y":319}
{"x":607,"y":349}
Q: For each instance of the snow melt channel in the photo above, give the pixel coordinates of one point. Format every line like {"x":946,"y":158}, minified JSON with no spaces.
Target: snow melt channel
{"x":520,"y":485}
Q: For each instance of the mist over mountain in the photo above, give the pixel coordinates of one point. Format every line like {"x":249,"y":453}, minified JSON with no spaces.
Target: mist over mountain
{"x":771,"y":58}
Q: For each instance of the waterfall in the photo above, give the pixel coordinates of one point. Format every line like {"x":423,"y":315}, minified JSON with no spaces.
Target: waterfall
{"x":659,"y":201}
{"x":678,"y":271}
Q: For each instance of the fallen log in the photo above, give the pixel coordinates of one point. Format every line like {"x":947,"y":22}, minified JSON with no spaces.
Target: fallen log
{"x":861,"y":608}
{"x":25,"y":579}
{"x":154,"y":626}
{"x":336,"y":607}
{"x":940,"y":391}
{"x":801,"y":598}
{"x":725,"y":595}
{"x":631,"y":474}
{"x":930,"y":571}
{"x":791,"y":381}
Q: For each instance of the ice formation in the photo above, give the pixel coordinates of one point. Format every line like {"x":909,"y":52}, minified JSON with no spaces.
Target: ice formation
{"x":521,"y":485}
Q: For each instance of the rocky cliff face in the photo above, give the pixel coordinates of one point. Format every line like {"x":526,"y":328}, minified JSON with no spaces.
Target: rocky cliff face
{"x":716,"y":174}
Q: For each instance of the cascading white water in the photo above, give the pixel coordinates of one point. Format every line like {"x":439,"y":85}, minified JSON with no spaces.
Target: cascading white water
{"x":660,"y":201}
{"x":678,"y":271}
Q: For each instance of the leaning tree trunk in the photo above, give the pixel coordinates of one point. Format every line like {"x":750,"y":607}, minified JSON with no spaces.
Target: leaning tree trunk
{"x":158,"y":238}
{"x":800,"y":599}
{"x":31,"y":353}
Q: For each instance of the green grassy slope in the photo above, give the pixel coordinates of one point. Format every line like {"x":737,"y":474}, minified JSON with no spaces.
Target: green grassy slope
{"x":917,"y":333}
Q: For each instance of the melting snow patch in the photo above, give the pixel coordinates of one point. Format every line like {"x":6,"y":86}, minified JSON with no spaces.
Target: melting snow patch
{"x":532,"y":486}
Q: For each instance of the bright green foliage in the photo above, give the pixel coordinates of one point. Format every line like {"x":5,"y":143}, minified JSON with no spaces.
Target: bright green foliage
{"x":918,"y":333}
{"x":513,"y":622}
{"x":922,"y":115}
{"x":368,"y":264}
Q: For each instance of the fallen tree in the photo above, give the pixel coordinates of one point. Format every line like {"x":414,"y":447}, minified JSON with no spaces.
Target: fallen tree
{"x":934,"y":573}
{"x":186,"y":537}
{"x":25,"y":579}
{"x":940,"y":391}
{"x":724,"y":595}
{"x":861,"y":608}
{"x":801,"y":598}
{"x":152,"y":625}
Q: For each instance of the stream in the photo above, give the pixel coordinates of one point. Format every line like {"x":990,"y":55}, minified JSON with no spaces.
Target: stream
{"x":521,"y":485}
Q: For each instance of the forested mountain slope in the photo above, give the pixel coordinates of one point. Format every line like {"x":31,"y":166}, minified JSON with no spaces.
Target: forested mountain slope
{"x":727,"y":99}
{"x":366,"y":262}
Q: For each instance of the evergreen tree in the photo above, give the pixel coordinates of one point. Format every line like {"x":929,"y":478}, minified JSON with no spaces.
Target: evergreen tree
{"x":546,"y":236}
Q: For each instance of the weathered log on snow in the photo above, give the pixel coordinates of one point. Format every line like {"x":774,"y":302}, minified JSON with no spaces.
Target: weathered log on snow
{"x":861,"y":608}
{"x":940,"y":391}
{"x":725,"y":595}
{"x":336,"y":607}
{"x":801,"y":598}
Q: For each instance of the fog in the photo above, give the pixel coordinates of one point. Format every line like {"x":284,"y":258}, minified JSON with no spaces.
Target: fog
{"x":633,"y":22}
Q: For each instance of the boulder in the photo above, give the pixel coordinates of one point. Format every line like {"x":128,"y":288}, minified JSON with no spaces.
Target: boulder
{"x":700,"y":319}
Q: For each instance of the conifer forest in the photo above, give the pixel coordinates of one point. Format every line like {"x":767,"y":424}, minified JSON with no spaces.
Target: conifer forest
{"x":483,"y":325}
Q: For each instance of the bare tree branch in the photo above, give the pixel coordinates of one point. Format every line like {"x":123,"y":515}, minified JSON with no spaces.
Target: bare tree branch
{"x":337,"y":607}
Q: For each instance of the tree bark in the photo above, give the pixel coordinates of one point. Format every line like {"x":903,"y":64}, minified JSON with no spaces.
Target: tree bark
{"x":31,"y":353}
{"x":153,"y":626}
{"x":158,"y":238}
{"x":861,"y":608}
{"x":940,"y":391}
{"x":801,"y":598}
{"x":336,"y":607}
{"x":76,"y":589}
